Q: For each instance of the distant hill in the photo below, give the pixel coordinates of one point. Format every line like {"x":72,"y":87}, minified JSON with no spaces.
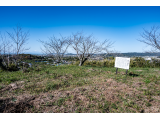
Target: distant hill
{"x":130,"y":54}
{"x":140,"y":54}
{"x":133,"y":54}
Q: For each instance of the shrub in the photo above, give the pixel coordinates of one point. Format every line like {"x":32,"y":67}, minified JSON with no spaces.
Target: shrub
{"x":111,"y":63}
{"x":98,"y":63}
{"x":86,"y":63}
{"x":76,"y":63}
{"x":12,"y":67}
{"x":26,"y":65}
{"x":31,"y":68}
{"x":137,"y":62}
{"x":25,"y":70}
{"x":141,"y":62}
{"x":155,"y":63}
{"x":93,"y":63}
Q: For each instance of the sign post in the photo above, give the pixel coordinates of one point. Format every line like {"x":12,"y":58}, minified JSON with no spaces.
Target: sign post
{"x":116,"y":70}
{"x":122,"y":62}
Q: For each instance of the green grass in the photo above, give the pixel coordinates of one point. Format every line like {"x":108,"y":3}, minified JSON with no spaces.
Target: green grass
{"x":47,"y":79}
{"x":52,"y":86}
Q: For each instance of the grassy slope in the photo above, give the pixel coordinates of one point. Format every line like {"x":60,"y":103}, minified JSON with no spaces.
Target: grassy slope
{"x":80,"y":89}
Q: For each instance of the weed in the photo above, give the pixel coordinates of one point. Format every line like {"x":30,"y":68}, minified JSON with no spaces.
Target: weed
{"x":79,"y":110}
{"x":139,"y":97}
{"x":65,"y":83}
{"x":147,"y":92}
{"x":114,"y":106}
{"x":136,"y":107}
{"x":147,"y":81}
{"x":106,"y":107}
{"x":1,"y":87}
{"x":14,"y":99}
{"x":48,"y":103}
{"x":60,"y":102}
{"x":148,"y":104}
{"x":91,"y":111}
{"x":158,"y":92}
{"x":47,"y":72}
{"x":52,"y":86}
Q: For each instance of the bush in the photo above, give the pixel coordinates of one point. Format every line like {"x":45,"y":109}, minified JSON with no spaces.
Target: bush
{"x":25,"y":70}
{"x":86,"y":63}
{"x":77,"y":63}
{"x":137,"y":62}
{"x":30,"y":69}
{"x":26,"y":65}
{"x":141,"y":62}
{"x":12,"y":67}
{"x":156,"y":63}
{"x":21,"y":64}
{"x":98,"y":64}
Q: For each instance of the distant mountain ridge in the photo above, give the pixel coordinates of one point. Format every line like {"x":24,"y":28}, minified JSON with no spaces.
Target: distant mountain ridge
{"x":140,"y":54}
{"x":129,"y":54}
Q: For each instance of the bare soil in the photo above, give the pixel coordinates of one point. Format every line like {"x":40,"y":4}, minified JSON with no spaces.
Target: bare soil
{"x":80,"y":97}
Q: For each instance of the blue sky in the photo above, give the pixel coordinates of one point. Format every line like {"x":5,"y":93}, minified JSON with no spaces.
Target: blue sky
{"x":121,"y":24}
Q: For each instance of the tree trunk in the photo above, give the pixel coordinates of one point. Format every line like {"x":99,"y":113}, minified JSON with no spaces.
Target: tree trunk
{"x":82,"y":61}
{"x":2,"y":66}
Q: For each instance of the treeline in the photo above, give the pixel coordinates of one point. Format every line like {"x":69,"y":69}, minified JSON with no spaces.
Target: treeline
{"x":136,"y":62}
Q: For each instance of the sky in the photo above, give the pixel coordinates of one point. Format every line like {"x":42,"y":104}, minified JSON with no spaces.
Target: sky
{"x":120,"y":24}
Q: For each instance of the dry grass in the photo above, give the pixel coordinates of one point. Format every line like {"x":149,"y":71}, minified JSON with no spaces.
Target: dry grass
{"x":100,"y":90}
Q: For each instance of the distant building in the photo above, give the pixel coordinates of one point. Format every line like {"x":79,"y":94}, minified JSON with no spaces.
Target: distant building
{"x":147,"y":58}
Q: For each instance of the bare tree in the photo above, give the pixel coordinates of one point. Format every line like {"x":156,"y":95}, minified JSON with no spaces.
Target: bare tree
{"x":19,"y":39}
{"x":151,"y":37}
{"x":86,"y":46}
{"x":56,"y":47}
{"x":4,"y":51}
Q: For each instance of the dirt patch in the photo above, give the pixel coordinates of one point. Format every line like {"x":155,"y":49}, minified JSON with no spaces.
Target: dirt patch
{"x":108,"y":72}
{"x":73,"y":100}
{"x":65,"y":77}
{"x":13,"y":86}
{"x":91,"y":70}
{"x":20,"y":106}
{"x":137,"y":84}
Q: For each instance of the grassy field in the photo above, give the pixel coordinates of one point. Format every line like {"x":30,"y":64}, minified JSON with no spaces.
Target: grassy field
{"x":74,"y":89}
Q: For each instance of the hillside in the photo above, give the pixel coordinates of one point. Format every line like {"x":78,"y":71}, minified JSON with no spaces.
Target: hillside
{"x":71,"y":89}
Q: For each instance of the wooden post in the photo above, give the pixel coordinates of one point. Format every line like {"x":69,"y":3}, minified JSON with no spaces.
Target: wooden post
{"x":116,"y":70}
{"x":126,"y":75}
{"x":126,"y":72}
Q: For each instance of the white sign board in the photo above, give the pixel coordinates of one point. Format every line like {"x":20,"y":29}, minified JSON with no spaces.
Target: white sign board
{"x":122,"y":62}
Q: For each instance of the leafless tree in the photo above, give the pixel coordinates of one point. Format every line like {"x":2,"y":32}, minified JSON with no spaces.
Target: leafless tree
{"x":5,"y":45}
{"x":56,"y":47}
{"x":19,"y":39}
{"x":86,"y":46}
{"x":151,"y":37}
